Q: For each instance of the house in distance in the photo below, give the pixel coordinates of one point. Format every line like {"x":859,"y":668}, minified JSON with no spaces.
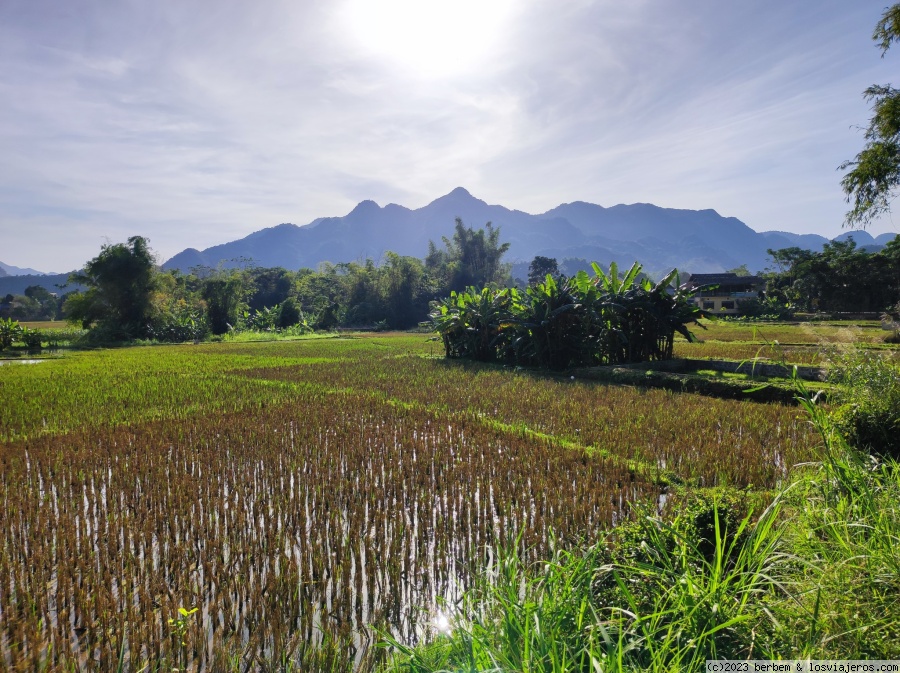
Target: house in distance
{"x":722,"y":292}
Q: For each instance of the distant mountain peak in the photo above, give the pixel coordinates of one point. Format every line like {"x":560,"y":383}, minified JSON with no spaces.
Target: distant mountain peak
{"x":365,"y":208}
{"x":457,"y":195}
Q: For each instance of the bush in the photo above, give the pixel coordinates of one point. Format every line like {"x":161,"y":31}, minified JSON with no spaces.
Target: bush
{"x":288,"y":314}
{"x":9,"y":332}
{"x":32,"y":339}
{"x":869,"y":398}
{"x":569,"y":322}
{"x":178,"y":329}
{"x":767,"y":308}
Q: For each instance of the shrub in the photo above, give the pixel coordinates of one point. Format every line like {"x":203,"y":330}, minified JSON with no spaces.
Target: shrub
{"x":869,"y":398}
{"x":32,"y":338}
{"x":9,"y":332}
{"x":288,"y":314}
{"x":765,"y":308}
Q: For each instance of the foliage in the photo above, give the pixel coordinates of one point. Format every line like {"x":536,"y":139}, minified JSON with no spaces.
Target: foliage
{"x":128,"y":298}
{"x":741,"y":270}
{"x":840,"y":278}
{"x":471,"y":323}
{"x":32,"y":338}
{"x":869,"y":398}
{"x":289,"y":314}
{"x":470,"y":258}
{"x":224,"y":297}
{"x":187,"y":326}
{"x":765,"y":308}
{"x":540,"y":267}
{"x":36,"y":304}
{"x":814,"y":575}
{"x":569,"y":322}
{"x":120,"y":281}
{"x":10,"y":331}
{"x":874,"y":175}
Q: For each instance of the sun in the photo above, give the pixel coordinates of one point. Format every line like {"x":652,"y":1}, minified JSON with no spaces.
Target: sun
{"x":428,"y":38}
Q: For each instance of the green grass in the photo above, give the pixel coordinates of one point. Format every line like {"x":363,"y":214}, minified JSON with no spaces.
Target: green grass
{"x":815,"y":574}
{"x":167,"y":430}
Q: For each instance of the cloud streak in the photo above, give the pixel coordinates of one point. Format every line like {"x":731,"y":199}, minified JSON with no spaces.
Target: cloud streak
{"x":195,"y":123}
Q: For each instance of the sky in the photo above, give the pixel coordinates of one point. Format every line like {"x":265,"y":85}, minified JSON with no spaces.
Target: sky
{"x":197,"y":122}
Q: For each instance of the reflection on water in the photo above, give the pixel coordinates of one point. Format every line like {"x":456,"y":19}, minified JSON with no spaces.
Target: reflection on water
{"x":308,"y":525}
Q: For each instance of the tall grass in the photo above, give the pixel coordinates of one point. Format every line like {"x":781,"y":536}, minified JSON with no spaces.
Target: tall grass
{"x":814,"y":574}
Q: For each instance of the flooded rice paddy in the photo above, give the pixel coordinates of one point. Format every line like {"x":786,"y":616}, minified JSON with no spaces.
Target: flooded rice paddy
{"x":331,"y":499}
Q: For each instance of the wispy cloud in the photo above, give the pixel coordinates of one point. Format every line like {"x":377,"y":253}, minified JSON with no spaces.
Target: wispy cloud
{"x":196,"y":123}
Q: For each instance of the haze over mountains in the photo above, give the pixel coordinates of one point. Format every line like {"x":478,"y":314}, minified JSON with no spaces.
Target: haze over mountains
{"x":660,"y":238}
{"x":9,"y":270}
{"x":697,"y":241}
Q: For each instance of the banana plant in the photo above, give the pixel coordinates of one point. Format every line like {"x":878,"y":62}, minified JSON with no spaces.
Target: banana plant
{"x":10,"y":331}
{"x":565,"y":322}
{"x":474,"y":323}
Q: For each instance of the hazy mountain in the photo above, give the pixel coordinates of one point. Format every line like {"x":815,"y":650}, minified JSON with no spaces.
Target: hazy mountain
{"x":862,"y":238}
{"x":58,"y":283}
{"x":660,"y":238}
{"x":8,"y":270}
{"x":787,"y":239}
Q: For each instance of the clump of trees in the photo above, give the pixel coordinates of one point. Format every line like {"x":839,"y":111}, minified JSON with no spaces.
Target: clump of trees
{"x":36,"y":303}
{"x":840,"y":278}
{"x":128,"y":297}
{"x":565,"y":322}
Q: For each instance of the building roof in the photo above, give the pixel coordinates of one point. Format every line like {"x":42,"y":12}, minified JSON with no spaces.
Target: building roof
{"x":722,"y":280}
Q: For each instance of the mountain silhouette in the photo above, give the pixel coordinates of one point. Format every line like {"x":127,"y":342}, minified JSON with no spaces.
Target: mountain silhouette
{"x":699,"y":241}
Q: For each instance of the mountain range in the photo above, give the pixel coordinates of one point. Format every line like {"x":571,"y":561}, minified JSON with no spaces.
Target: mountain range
{"x":659,"y":238}
{"x":9,"y":270}
{"x":696,"y":241}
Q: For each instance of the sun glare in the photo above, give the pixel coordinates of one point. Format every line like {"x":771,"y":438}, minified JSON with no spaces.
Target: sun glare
{"x":429,"y":38}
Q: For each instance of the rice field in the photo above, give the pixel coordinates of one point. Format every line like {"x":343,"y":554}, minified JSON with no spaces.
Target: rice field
{"x":275,"y":505}
{"x":799,"y":343}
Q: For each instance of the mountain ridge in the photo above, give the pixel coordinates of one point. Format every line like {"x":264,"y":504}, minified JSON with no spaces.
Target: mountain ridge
{"x":658,"y":237}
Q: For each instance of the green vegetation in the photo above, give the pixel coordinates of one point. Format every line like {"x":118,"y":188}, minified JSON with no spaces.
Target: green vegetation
{"x":569,"y":322}
{"x":316,"y":497}
{"x":874,"y":175}
{"x":37,"y":303}
{"x":841,"y":278}
{"x":300,"y":493}
{"x":813,"y":574}
{"x":128,"y":299}
{"x":120,"y":280}
{"x":869,"y":395}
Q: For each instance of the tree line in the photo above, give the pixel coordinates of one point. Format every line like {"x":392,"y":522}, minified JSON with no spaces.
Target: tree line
{"x":128,"y":297}
{"x":840,"y":278}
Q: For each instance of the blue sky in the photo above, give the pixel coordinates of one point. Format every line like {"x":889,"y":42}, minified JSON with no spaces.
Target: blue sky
{"x":197,"y":122}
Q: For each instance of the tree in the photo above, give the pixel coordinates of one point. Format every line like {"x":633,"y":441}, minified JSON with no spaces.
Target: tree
{"x":269,"y":287}
{"x":874,"y":176}
{"x":224,"y":297}
{"x":288,"y":313}
{"x":120,"y":282}
{"x":840,"y":278}
{"x":539,"y":268}
{"x":471,"y":258}
{"x":741,"y":270}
